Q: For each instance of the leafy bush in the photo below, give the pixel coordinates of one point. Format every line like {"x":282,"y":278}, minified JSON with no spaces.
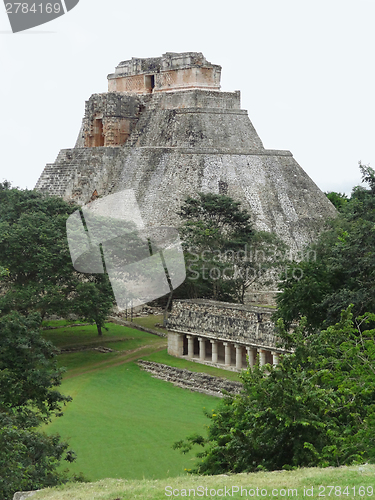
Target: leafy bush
{"x":28,"y":459}
{"x":316,"y":408}
{"x":28,"y":397}
{"x":342,"y":269}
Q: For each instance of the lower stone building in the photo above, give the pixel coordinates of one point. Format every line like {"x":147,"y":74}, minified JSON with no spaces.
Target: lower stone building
{"x":222,"y":334}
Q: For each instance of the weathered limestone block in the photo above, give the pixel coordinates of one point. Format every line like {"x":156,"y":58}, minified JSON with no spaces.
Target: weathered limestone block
{"x":197,"y":382}
{"x":22,"y":495}
{"x":175,"y":343}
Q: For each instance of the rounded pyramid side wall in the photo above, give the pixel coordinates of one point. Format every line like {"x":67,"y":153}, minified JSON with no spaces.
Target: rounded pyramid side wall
{"x":188,"y":142}
{"x":279,"y":195}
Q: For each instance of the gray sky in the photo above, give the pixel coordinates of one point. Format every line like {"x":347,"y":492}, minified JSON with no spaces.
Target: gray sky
{"x":305,"y":70}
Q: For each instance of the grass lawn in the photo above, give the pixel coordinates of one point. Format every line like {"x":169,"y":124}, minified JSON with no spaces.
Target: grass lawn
{"x":122,"y":422}
{"x":149,"y":322}
{"x":81,"y":336}
{"x":344,"y":482}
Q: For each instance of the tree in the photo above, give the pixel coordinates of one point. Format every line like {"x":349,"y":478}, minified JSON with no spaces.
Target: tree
{"x":95,"y":299}
{"x":344,"y":269}
{"x":316,"y":408}
{"x":34,"y":249}
{"x":29,"y":378}
{"x":338,"y":200}
{"x":29,"y":371}
{"x":223,"y":251}
{"x":35,"y":262}
{"x":29,"y":459}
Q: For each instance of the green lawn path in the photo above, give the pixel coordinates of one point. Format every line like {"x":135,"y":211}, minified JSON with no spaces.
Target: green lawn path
{"x":122,"y":423}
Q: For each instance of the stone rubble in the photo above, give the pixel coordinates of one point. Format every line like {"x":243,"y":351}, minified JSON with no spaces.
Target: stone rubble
{"x":197,"y":382}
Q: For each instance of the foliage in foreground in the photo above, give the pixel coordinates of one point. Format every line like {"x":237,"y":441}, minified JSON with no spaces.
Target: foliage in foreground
{"x":28,"y":397}
{"x":316,"y":408}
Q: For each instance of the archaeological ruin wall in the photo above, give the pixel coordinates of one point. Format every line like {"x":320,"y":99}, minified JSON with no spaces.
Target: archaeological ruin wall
{"x":167,"y":138}
{"x":172,"y":71}
{"x":223,"y":334}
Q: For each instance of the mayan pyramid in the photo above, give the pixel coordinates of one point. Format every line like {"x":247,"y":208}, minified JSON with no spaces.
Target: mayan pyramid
{"x":165,"y":130}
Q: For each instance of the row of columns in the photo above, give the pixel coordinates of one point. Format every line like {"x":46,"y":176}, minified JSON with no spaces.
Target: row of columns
{"x":252,"y":353}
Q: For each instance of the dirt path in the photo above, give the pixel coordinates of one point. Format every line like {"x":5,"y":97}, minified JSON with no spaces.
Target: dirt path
{"x":92,"y":345}
{"x":131,"y":355}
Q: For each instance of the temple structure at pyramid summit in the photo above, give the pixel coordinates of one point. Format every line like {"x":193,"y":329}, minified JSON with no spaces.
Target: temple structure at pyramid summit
{"x":165,"y":130}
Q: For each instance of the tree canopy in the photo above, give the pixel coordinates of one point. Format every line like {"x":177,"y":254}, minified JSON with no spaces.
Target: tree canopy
{"x":29,"y":378}
{"x":224,"y":253}
{"x":343,"y":271}
{"x":94,"y":300}
{"x":34,"y":250}
{"x":339,"y":200}
{"x":316,"y":408}
{"x":35,"y":265}
{"x":28,"y":371}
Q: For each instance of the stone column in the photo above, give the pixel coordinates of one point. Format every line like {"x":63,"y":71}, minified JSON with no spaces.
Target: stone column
{"x":252,"y":353}
{"x":175,"y":344}
{"x":179,"y":344}
{"x":228,"y":353}
{"x":215,"y":352}
{"x":190,"y":346}
{"x":275,"y":358}
{"x":262,"y":357}
{"x":238,"y":357}
{"x":202,"y":348}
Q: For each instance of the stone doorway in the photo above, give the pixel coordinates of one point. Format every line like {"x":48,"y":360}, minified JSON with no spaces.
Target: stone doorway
{"x":149,"y":83}
{"x":98,"y":132}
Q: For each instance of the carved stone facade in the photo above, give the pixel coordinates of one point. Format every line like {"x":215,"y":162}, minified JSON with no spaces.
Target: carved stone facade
{"x":172,"y":71}
{"x":109,"y":119}
{"x":222,"y":334}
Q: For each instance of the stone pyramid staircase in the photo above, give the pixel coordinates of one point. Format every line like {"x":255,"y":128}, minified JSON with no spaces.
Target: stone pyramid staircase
{"x":64,"y":170}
